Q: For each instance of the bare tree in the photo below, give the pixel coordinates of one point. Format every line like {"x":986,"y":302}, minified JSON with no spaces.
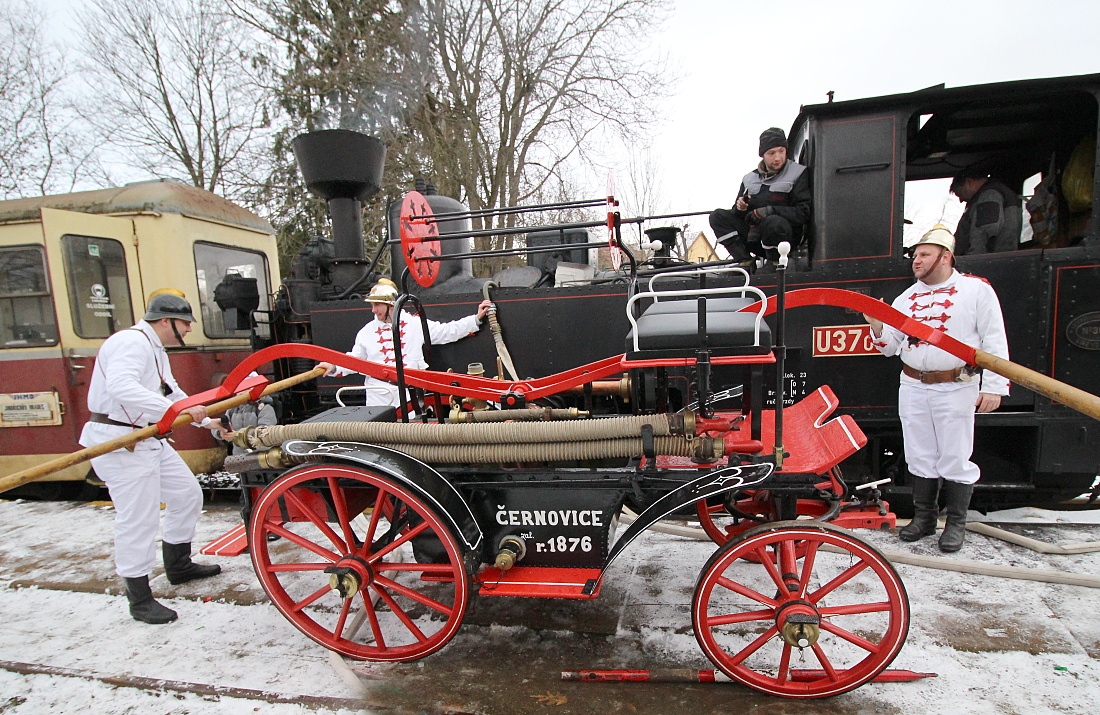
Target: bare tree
{"x":176,"y":98}
{"x":524,"y":88}
{"x":41,"y":148}
{"x":333,"y":64}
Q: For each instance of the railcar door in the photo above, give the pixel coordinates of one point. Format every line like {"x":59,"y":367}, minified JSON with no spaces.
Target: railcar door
{"x":61,"y":297}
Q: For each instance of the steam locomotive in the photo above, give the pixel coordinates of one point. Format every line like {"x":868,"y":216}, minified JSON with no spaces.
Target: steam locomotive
{"x":864,"y":156}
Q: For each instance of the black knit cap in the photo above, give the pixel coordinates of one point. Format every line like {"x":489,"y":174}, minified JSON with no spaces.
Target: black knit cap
{"x":771,"y":138}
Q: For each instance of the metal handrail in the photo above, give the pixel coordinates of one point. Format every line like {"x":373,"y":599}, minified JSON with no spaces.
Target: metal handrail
{"x":694,"y":271}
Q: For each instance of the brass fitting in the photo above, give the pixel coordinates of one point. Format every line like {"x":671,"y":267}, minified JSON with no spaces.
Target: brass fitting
{"x":510,"y":550}
{"x":240,"y":437}
{"x":800,"y":635}
{"x":345,"y":583}
{"x":266,"y":459}
{"x":799,"y":623}
{"x":708,"y":449}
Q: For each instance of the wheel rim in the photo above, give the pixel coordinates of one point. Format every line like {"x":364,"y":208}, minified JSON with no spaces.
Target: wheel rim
{"x":721,"y":525}
{"x":395,"y":609}
{"x":740,"y":610}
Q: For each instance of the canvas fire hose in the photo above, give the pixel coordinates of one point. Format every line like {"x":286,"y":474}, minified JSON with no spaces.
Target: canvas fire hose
{"x":498,"y":336}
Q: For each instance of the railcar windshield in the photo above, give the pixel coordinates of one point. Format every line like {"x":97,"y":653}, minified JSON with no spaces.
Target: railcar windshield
{"x":99,"y":288}
{"x":1041,"y":147}
{"x":212,"y":264}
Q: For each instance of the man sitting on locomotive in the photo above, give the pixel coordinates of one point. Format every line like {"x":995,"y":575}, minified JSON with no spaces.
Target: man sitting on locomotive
{"x":773,"y":205}
{"x":374,"y":340}
{"x":993,"y":216}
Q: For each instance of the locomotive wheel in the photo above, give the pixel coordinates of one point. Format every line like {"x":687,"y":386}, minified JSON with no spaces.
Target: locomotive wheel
{"x":845,"y":614}
{"x":350,"y":584}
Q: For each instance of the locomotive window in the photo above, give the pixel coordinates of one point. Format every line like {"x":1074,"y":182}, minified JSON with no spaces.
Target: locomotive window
{"x":99,"y":289}
{"x":26,"y":311}
{"x":213,"y":263}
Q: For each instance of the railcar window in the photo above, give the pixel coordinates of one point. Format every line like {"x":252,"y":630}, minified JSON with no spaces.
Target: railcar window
{"x":26,"y":311}
{"x":213,"y":263}
{"x":99,"y":288}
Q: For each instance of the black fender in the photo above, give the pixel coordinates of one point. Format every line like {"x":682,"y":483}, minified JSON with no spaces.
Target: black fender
{"x":425,"y":481}
{"x":708,"y":485}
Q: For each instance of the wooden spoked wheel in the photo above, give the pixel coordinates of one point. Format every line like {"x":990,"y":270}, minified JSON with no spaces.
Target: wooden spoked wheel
{"x":740,"y":511}
{"x":351,"y":580}
{"x":809,"y":627}
{"x":750,"y":509}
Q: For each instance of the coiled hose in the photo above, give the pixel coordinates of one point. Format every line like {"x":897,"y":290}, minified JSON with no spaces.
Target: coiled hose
{"x":700,"y":447}
{"x":462,"y":434}
{"x":705,"y":449}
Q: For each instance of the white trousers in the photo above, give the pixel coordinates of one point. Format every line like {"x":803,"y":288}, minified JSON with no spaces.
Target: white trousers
{"x":138,"y":482}
{"x":938,"y":427}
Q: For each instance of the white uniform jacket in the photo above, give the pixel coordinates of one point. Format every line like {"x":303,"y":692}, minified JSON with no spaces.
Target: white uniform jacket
{"x":126,"y":383}
{"x":966,"y":308}
{"x":374,"y":342}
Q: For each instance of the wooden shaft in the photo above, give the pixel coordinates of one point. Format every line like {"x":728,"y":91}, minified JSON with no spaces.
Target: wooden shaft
{"x":1068,"y":395}
{"x":41,"y":470}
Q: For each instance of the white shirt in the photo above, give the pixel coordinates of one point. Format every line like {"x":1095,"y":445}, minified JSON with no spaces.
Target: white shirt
{"x":126,"y":380}
{"x":963,"y":306}
{"x":374,"y":342}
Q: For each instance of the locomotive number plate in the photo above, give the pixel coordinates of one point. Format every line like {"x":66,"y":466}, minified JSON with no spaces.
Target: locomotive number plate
{"x":843,"y":340}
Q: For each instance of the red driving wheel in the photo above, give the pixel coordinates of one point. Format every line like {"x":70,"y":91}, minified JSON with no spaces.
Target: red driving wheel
{"x":352,"y":584}
{"x":841,"y":608}
{"x":419,"y":238}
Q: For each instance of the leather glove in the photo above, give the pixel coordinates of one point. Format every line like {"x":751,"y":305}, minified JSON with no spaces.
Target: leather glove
{"x":762,"y":213}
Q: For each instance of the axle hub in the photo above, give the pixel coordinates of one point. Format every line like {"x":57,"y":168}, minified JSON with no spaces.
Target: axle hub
{"x":348,"y":575}
{"x":799,"y":623}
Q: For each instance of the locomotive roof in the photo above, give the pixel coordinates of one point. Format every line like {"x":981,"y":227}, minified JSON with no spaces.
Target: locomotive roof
{"x":160,"y":195}
{"x":940,"y":93}
{"x":1007,"y":128}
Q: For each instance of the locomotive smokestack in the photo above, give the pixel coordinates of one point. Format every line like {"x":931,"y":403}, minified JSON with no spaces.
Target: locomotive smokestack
{"x":343,"y":168}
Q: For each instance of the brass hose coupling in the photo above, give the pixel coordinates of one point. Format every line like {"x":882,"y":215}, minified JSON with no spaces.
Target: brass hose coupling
{"x":510,"y":550}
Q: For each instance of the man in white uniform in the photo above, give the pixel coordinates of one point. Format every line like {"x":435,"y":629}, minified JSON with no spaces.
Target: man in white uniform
{"x":374,"y":341}
{"x":939,"y":393}
{"x":132,"y":386}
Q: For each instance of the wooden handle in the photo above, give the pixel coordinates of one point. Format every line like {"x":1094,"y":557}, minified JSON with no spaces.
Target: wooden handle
{"x":1084,"y":402}
{"x":41,"y":470}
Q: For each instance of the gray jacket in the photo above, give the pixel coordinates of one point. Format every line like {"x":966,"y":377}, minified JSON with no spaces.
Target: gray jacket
{"x":991,"y":222}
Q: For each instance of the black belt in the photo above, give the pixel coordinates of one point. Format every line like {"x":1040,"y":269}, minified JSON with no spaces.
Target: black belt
{"x":933,"y":377}
{"x":105,"y":420}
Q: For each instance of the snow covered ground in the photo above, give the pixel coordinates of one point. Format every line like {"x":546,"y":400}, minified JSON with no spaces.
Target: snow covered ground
{"x":67,"y":644}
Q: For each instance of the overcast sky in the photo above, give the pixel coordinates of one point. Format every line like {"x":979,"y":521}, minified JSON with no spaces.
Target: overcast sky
{"x":746,"y":66}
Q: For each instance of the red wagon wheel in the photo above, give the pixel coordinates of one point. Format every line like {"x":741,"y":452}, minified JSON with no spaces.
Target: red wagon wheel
{"x":350,"y":583}
{"x":844,"y":614}
{"x":724,"y":520}
{"x":753,"y":508}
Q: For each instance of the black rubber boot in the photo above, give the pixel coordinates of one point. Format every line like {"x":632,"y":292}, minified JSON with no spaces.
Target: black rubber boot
{"x":925,"y":510}
{"x":958,"y":502}
{"x":143,"y":607}
{"x":178,"y":566}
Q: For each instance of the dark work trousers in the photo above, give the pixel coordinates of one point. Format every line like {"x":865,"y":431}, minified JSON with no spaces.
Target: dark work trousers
{"x":759,"y":240}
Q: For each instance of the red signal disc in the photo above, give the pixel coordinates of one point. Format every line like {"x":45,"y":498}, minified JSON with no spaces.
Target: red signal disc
{"x":419,"y":238}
